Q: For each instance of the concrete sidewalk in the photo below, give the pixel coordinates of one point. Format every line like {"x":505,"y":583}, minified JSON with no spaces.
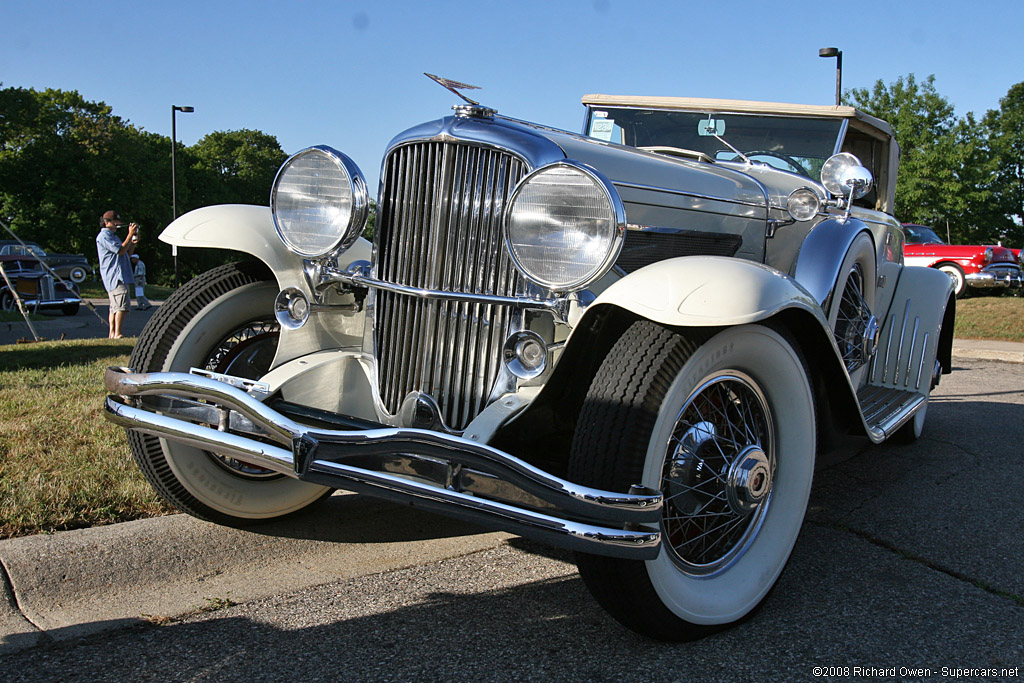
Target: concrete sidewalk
{"x":71,"y":584}
{"x":987,"y":349}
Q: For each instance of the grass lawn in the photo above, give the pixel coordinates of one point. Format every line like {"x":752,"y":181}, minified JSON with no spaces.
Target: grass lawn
{"x":93,"y":289}
{"x":990,"y":317}
{"x":62,"y":465}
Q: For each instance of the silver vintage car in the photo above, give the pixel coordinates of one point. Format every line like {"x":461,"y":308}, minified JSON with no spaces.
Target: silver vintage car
{"x":630,"y":342}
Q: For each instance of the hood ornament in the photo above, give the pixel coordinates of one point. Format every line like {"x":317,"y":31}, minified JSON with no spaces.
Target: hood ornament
{"x":454,"y":86}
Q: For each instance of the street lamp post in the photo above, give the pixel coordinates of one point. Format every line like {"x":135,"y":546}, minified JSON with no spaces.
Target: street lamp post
{"x":838,"y":54}
{"x":174,"y":178}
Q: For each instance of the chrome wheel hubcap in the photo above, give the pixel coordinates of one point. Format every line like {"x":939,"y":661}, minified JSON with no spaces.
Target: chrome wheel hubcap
{"x":749,"y":480}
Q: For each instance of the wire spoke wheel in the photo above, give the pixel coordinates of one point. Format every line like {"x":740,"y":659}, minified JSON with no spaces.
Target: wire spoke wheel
{"x":718,"y":474}
{"x":854,"y":321}
{"x":854,"y":326}
{"x":724,"y":425}
{"x":221,"y":321}
{"x":246,"y":352}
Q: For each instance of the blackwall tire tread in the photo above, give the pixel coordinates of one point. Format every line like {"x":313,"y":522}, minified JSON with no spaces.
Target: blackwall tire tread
{"x":622,"y":406}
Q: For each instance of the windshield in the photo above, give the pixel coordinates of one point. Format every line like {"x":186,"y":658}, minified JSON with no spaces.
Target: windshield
{"x":918,"y":234}
{"x":797,"y":144}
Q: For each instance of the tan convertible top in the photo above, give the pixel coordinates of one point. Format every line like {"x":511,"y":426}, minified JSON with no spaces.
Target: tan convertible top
{"x":737,"y":107}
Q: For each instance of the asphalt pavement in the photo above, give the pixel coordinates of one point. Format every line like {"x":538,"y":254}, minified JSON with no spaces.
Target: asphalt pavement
{"x":908,"y":567}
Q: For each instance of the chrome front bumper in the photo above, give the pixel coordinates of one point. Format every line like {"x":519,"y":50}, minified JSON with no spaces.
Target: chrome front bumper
{"x":441,"y":472}
{"x":36,"y":303}
{"x":995,"y":278}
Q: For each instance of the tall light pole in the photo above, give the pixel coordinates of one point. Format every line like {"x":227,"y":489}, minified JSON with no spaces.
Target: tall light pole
{"x":174,"y":178}
{"x":838,"y":54}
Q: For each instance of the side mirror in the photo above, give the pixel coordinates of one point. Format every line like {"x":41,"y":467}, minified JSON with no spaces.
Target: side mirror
{"x":857,"y":181}
{"x":844,"y":176}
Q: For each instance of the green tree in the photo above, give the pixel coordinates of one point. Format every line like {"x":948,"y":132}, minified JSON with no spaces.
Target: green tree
{"x":55,"y":145}
{"x":921,"y":119}
{"x":233,"y":167}
{"x":946,"y":170}
{"x":224,"y":167}
{"x":1006,"y":140}
{"x":65,"y":160}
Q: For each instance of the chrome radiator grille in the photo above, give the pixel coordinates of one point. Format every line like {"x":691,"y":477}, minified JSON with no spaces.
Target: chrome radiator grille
{"x":439,"y":228}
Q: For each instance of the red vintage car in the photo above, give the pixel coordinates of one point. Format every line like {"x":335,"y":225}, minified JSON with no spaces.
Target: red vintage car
{"x":982,"y":267}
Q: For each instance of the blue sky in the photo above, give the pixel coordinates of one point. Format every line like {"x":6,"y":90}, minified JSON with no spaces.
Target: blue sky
{"x":348,"y":73}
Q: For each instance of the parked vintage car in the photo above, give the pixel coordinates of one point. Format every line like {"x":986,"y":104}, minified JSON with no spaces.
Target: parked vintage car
{"x":73,"y":267}
{"x":37,"y":288}
{"x":629,"y":342}
{"x":976,"y":266}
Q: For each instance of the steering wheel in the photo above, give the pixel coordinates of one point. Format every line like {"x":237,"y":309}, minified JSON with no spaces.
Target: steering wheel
{"x":793,"y":163}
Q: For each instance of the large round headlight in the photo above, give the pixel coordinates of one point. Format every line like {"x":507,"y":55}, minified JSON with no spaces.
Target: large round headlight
{"x":319,"y":202}
{"x":564,"y":226}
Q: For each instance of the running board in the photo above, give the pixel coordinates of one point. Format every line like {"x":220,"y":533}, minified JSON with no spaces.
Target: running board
{"x":886,"y":409}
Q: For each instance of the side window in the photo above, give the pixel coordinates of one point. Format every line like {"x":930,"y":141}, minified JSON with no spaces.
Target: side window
{"x":871,"y":153}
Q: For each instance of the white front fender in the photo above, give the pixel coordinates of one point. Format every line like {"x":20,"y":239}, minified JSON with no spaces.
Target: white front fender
{"x":250,"y":229}
{"x":245,"y":228}
{"x":702,"y":291}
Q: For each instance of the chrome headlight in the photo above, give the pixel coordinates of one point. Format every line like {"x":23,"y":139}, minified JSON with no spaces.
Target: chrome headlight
{"x":319,"y":202}
{"x":803,"y":204}
{"x":988,"y":255}
{"x":564,"y":226}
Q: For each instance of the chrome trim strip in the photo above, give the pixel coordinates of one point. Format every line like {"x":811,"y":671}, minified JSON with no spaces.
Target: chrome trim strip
{"x":844,"y":126}
{"x":886,"y":409}
{"x":874,"y":366}
{"x":694,"y":195}
{"x":910,"y":355}
{"x":899,"y":349}
{"x":356,"y":279}
{"x":920,"y":367}
{"x":900,"y":417}
{"x":888,"y":348}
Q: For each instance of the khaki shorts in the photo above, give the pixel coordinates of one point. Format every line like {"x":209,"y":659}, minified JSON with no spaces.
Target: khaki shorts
{"x":120,"y":302}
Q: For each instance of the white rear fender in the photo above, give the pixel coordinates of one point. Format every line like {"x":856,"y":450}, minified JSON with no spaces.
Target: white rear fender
{"x":700,"y":291}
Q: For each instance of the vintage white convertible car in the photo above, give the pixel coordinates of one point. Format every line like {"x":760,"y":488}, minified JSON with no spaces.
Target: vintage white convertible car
{"x":630,"y":342}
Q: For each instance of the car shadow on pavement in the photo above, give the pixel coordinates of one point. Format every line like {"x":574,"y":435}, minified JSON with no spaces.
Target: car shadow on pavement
{"x":507,"y":615}
{"x":349,"y":518}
